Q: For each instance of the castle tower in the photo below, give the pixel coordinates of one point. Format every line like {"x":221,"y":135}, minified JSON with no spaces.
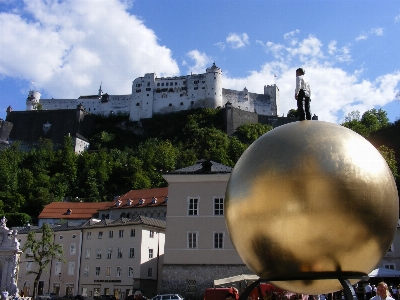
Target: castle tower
{"x":100,"y":91}
{"x":32,"y":100}
{"x":214,"y":85}
{"x":273,"y":92}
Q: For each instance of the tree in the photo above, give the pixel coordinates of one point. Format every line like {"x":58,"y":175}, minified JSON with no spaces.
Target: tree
{"x":371,"y":121}
{"x":42,"y":251}
{"x":293,"y":113}
{"x":390,"y":157}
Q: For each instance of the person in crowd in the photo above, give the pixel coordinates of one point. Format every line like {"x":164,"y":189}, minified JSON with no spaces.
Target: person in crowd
{"x":138,"y":296}
{"x":368,"y":291}
{"x":382,"y":292}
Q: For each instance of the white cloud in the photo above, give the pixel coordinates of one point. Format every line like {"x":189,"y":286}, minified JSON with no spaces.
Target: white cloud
{"x":291,"y":34}
{"x":201,"y":62}
{"x":69,"y":47}
{"x":237,"y":40}
{"x":361,"y":37}
{"x":306,"y":50}
{"x":377,"y":31}
{"x":220,"y":45}
{"x":342,"y":54}
{"x":335,"y":92}
{"x":397,"y":18}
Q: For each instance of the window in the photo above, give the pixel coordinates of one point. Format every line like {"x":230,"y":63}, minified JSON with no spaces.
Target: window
{"x":391,"y":249}
{"x":72,"y":249}
{"x":87,"y":253}
{"x":131,"y":252}
{"x":119,"y":253}
{"x":98,"y":255}
{"x":150,"y":253}
{"x":97,"y":271}
{"x":132,"y":232}
{"x":192,"y":240}
{"x":218,"y":206}
{"x":108,"y":271}
{"x":151,"y":233}
{"x":218,"y":240}
{"x":57,"y":269}
{"x":118,"y":272}
{"x":86,"y":272}
{"x":390,"y":266}
{"x":71,"y":268}
{"x":121,"y":233}
{"x":193,"y":206}
{"x":61,"y":237}
{"x":130,"y":271}
{"x":110,"y":234}
{"x":100,"y":234}
{"x":29,"y":265}
{"x":109,"y":253}
{"x":150,"y":272}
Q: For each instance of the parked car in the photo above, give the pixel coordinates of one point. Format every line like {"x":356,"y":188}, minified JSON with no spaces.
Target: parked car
{"x":47,"y":296}
{"x":104,"y":297}
{"x":168,"y":297}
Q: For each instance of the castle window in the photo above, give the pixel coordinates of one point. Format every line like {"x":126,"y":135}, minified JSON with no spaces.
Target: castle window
{"x":158,"y":84}
{"x":171,"y":90}
{"x":148,"y":84}
{"x":196,"y":88}
{"x":192,"y":102}
{"x":181,"y":103}
{"x":166,"y":84}
{"x":184,"y":82}
{"x":137,"y":104}
{"x":176,"y":83}
{"x":203,"y":81}
{"x":203,"y":87}
{"x":162,"y":84}
{"x":148,"y":89}
{"x":138,"y":91}
{"x":147,"y":95}
{"x":215,"y":77}
{"x":170,"y":105}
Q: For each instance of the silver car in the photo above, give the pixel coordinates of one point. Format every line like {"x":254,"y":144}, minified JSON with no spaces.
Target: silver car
{"x":168,"y":297}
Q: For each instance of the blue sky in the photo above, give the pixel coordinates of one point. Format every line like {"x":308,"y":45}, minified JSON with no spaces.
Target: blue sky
{"x":349,"y":49}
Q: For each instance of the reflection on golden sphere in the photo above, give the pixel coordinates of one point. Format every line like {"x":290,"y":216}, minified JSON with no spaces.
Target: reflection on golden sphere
{"x":311,"y":197}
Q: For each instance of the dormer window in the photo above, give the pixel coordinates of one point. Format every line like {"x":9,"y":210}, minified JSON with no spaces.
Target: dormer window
{"x":166,"y":199}
{"x":153,"y":200}
{"x":118,"y":203}
{"x":129,"y":202}
{"x":69,"y":211}
{"x":141,"y":201}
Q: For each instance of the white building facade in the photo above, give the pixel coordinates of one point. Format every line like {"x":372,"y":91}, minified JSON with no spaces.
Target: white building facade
{"x":152,"y":95}
{"x":201,"y":250}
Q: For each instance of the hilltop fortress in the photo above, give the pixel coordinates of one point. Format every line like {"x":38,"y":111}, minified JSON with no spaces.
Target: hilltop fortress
{"x":151,"y":95}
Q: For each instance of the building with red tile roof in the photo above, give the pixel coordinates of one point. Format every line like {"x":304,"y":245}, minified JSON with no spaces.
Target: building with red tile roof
{"x":148,"y":202}
{"x":54,"y":212}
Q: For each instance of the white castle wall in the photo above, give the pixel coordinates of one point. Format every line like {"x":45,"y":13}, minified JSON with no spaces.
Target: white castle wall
{"x":151,"y":95}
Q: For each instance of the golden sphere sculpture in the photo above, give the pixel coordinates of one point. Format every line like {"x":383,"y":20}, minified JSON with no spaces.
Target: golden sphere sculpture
{"x":311,"y":197}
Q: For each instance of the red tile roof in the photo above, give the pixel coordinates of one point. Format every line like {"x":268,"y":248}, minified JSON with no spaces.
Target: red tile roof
{"x":160,"y":194}
{"x":78,"y":210}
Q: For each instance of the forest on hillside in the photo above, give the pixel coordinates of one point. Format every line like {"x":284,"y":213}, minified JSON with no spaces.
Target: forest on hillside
{"x":123,"y":157}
